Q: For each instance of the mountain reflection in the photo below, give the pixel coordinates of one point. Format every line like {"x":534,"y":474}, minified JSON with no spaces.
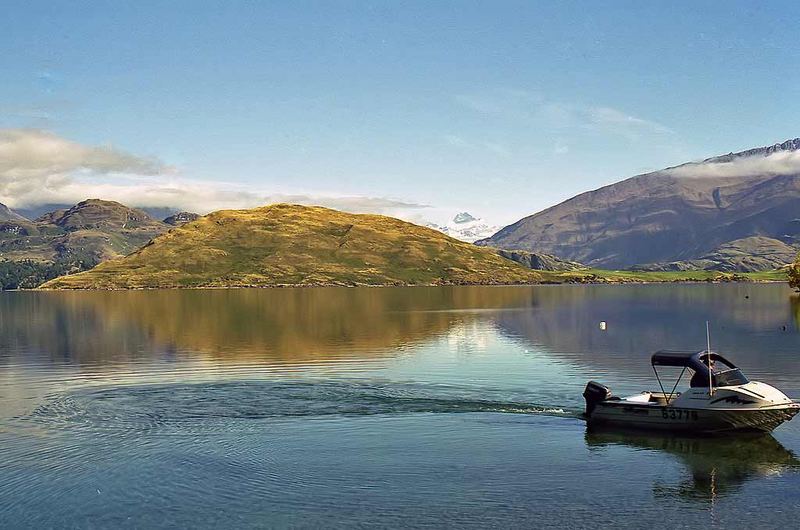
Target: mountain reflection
{"x":299,"y":325}
{"x":248,"y":324}
{"x":746,"y":321}
{"x":715,"y":467}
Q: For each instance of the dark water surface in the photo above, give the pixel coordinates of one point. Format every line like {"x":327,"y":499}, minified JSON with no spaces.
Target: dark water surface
{"x":445,"y":407}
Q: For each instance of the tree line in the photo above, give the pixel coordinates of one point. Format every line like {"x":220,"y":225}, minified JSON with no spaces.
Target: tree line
{"x":29,"y":274}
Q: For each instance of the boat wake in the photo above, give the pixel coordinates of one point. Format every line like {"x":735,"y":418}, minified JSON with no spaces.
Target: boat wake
{"x":212,"y":406}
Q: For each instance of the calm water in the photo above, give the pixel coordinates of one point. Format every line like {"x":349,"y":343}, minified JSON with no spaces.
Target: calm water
{"x":454,"y":407}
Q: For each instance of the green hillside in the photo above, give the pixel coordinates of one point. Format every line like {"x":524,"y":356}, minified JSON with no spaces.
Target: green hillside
{"x":286,"y":244}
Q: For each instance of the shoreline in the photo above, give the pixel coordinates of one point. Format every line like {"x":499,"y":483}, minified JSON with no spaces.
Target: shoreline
{"x":387,"y":286}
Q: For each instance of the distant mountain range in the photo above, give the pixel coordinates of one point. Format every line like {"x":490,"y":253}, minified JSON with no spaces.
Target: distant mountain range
{"x":275,"y":245}
{"x":466,"y":228}
{"x":739,"y":211}
{"x":285,"y":244}
{"x":38,"y":210}
{"x":73,"y":239}
{"x":733,"y":213}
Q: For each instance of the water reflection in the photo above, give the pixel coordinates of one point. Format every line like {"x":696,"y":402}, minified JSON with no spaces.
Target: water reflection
{"x":755,"y":325}
{"x":271,"y":324}
{"x":312,"y":324}
{"x":715,"y":467}
{"x":203,"y":403}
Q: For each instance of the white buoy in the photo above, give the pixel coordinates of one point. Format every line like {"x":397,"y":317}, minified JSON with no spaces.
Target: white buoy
{"x":603,"y":325}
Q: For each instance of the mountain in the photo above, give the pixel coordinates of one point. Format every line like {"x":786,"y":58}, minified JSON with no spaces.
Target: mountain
{"x":71,"y":239}
{"x":13,"y":225}
{"x":34,"y":212}
{"x":680,"y":214}
{"x":181,"y":218}
{"x":465,"y":227}
{"x":7,"y":214}
{"x":541,"y":262}
{"x":751,"y":254}
{"x":159,"y":212}
{"x":285,"y":244}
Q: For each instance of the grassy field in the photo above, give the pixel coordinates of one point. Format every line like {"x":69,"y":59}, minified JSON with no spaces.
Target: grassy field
{"x":603,"y":276}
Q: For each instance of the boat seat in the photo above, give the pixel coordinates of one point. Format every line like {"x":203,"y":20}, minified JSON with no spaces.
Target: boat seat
{"x":640,"y":398}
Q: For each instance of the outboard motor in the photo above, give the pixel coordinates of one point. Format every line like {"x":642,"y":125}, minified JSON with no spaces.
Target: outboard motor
{"x":594,"y":394}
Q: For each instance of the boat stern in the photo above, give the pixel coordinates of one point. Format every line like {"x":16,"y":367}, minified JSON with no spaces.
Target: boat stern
{"x":595,"y":393}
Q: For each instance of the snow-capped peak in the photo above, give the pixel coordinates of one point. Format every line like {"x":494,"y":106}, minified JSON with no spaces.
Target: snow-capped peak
{"x":466,"y":227}
{"x":463,"y":217}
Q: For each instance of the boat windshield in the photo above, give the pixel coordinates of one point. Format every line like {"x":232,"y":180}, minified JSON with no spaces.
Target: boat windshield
{"x":731,"y":377}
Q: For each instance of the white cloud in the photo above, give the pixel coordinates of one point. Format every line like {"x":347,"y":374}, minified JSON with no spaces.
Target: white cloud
{"x":560,"y":148}
{"x":32,"y":161}
{"x":519,"y":106}
{"x":780,"y":163}
{"x":39,"y":167}
{"x":608,"y":118}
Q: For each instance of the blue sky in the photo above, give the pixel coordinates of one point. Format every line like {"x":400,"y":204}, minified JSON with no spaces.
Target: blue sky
{"x":498,"y":108}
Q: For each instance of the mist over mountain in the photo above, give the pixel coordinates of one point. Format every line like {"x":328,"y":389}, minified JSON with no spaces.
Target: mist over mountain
{"x":728,"y":204}
{"x":7,"y":214}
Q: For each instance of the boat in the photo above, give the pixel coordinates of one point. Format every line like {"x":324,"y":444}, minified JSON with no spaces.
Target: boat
{"x":720,"y":399}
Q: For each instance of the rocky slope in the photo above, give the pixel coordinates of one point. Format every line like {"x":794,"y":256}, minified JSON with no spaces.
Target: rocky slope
{"x":7,"y":214}
{"x":299,"y":245}
{"x":69,"y":239}
{"x":541,"y":262}
{"x":680,"y":214}
{"x":751,"y":254}
{"x":92,"y":230}
{"x":181,"y":218}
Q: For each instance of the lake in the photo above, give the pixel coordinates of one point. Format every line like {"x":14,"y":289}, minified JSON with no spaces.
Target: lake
{"x":412,"y":407}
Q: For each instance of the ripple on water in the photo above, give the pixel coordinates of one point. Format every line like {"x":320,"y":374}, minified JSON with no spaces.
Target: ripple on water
{"x":233,"y":406}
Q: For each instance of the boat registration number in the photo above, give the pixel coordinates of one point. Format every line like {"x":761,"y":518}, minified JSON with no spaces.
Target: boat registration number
{"x":678,"y":414}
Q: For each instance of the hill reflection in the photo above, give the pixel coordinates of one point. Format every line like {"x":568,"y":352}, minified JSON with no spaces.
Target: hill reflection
{"x":305,"y":325}
{"x":271,"y":324}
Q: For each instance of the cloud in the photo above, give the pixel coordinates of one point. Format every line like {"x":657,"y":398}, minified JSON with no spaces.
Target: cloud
{"x":519,"y":106}
{"x":560,"y":148}
{"x":780,"y":163}
{"x":39,"y":167}
{"x":608,"y":118}
{"x":32,"y":160}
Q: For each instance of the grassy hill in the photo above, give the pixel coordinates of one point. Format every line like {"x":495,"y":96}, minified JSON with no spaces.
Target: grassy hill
{"x":286,"y":244}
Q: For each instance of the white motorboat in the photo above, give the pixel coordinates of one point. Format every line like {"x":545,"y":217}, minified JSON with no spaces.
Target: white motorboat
{"x":719,"y":399}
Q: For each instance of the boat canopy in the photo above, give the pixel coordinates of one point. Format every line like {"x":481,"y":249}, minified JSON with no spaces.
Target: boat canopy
{"x":696,"y":360}
{"x":727,"y":374}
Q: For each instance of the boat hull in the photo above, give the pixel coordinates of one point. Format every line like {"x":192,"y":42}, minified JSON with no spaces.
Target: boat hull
{"x":676,"y":419}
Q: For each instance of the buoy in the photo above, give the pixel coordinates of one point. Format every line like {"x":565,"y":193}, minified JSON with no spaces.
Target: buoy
{"x":603,"y":325}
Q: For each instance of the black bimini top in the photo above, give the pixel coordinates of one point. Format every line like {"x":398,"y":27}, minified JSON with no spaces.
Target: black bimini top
{"x":698,"y":362}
